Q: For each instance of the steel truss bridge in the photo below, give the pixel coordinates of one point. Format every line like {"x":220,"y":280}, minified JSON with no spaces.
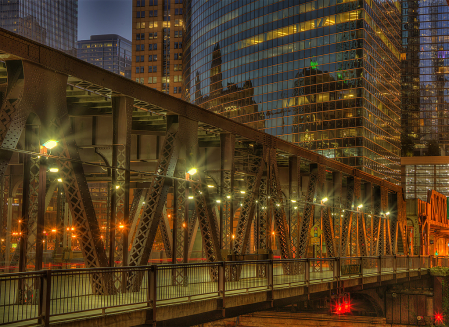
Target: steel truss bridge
{"x":171,"y":167}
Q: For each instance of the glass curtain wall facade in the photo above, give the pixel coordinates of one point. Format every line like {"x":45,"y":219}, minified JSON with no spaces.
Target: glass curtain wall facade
{"x":425,"y":80}
{"x":158,"y":29}
{"x":111,"y":52}
{"x":323,"y":74}
{"x":54,"y":23}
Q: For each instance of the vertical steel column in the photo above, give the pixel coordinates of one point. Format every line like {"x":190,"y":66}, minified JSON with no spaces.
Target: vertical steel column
{"x":263,"y":216}
{"x":122,"y":108}
{"x":376,"y":219}
{"x":41,"y":208}
{"x":134,"y":214}
{"x":394,"y":222}
{"x":347,"y":216}
{"x":227,"y":148}
{"x":25,"y":201}
{"x":309,"y":209}
{"x":368,"y":210}
{"x":294,"y":193}
{"x":337,"y":180}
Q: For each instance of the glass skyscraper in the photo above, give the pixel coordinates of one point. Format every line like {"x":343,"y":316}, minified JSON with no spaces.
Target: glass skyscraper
{"x":425,"y":81}
{"x":110,"y":51}
{"x":54,"y":23}
{"x":323,"y":74}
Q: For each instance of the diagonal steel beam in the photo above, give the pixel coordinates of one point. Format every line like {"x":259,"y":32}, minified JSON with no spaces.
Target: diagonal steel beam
{"x":242,"y":234}
{"x":155,"y":199}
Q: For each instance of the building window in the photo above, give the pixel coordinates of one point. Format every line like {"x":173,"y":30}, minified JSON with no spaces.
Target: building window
{"x":178,"y":22}
{"x":178,"y":11}
{"x":179,"y":89}
{"x":152,"y":80}
{"x":142,"y":58}
{"x":153,"y":2}
{"x":142,"y":80}
{"x":175,"y":90}
{"x":150,"y":46}
{"x":152,"y":25}
{"x":142,"y":14}
{"x":137,"y":71}
{"x":137,"y":47}
{"x":138,"y":36}
{"x":154,"y":57}
{"x":155,"y":46}
{"x":142,"y":47}
{"x":150,"y":69}
{"x":178,"y":33}
{"x":178,"y":1}
{"x":137,"y":58}
{"x":150,"y":58}
{"x":142,"y":69}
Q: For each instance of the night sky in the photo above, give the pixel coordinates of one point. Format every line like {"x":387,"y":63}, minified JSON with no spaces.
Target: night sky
{"x":104,"y":17}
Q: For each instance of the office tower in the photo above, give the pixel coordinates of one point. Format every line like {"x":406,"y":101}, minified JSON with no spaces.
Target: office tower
{"x":323,"y":74}
{"x":425,"y":77}
{"x":54,"y":23}
{"x":110,"y":51}
{"x":157,"y":44}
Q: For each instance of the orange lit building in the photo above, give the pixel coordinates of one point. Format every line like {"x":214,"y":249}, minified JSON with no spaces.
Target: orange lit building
{"x":157,"y":44}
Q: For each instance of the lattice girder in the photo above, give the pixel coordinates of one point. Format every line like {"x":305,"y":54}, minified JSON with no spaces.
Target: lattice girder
{"x":328,"y":231}
{"x":262,"y":239}
{"x":309,"y":209}
{"x":155,"y":200}
{"x":243,"y":230}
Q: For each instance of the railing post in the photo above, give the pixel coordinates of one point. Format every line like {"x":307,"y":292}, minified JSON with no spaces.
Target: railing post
{"x":395,"y":264}
{"x":337,"y":269}
{"x":222,"y":284}
{"x":307,"y":272}
{"x":152,"y":294}
{"x":379,"y":269}
{"x":46,"y":297}
{"x":270,"y":274}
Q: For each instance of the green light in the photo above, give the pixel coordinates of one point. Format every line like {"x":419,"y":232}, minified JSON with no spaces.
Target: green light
{"x":314,"y":64}
{"x":50,"y":144}
{"x":436,"y":253}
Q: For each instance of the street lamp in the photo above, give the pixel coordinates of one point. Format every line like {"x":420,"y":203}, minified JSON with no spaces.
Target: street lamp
{"x":192,"y":171}
{"x":50,"y":144}
{"x":53,"y":170}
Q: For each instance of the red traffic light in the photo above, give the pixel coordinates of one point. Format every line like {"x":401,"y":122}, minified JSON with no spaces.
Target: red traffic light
{"x":438,"y":318}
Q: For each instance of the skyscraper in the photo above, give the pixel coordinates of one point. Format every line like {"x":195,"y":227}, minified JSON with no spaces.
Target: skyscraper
{"x":323,"y":74}
{"x":54,"y":23}
{"x":157,"y":44}
{"x":110,"y":51}
{"x":425,"y":77}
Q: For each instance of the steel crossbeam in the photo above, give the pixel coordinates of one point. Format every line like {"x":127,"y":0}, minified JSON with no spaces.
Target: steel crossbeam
{"x":309,"y":209}
{"x":139,"y":196}
{"x":243,"y":231}
{"x":347,"y":216}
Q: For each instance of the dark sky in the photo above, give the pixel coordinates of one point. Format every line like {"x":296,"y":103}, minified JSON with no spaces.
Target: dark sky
{"x":104,"y":17}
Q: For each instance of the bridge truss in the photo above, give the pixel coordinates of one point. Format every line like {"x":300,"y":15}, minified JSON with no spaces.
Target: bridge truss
{"x":140,"y":172}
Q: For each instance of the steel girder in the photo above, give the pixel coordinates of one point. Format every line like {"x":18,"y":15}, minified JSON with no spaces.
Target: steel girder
{"x":319,"y":211}
{"x":355,"y":235}
{"x":383,"y":207}
{"x":154,"y":201}
{"x":227,"y":184}
{"x":368,"y":219}
{"x":393,"y":223}
{"x":122,"y":108}
{"x":309,"y":209}
{"x":347,"y":216}
{"x":256,"y":168}
{"x":294,"y":192}
{"x":180,"y":214}
{"x":280,"y":223}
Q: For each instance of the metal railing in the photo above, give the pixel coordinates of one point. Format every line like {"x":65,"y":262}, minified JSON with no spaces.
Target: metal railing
{"x":79,"y":293}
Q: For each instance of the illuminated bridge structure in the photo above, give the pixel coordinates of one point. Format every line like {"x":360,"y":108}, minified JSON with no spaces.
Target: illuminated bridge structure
{"x":171,"y":169}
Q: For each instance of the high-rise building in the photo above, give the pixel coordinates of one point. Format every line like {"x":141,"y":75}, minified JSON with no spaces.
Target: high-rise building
{"x":323,"y":74}
{"x":157,"y":44}
{"x":110,"y":51}
{"x":425,"y":77}
{"x":54,"y":23}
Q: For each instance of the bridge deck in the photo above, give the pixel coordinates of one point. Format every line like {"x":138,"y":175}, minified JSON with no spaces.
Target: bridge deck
{"x":71,"y":296}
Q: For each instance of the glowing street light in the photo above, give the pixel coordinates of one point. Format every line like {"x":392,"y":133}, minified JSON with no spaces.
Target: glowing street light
{"x":360,"y":206}
{"x":190,"y":197}
{"x":117,"y":187}
{"x":228,"y":196}
{"x":218,"y":201}
{"x":50,"y":144}
{"x":243,"y":192}
{"x":293,"y":201}
{"x":324,"y":200}
{"x":53,"y":170}
{"x":60,"y":180}
{"x":388,"y":213}
{"x":210,"y":186}
{"x":192,"y":171}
